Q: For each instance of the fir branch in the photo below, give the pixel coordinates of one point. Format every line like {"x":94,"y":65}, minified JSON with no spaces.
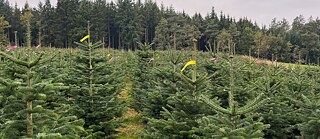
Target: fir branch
{"x":253,"y":102}
{"x":214,"y":106}
{"x":306,"y":100}
{"x":299,"y":103}
{"x":36,"y":61}
{"x":48,"y":59}
{"x":4,"y":82}
{"x":252,"y":107}
{"x":15,"y":60}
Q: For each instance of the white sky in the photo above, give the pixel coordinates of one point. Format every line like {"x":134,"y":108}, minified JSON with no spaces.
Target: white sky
{"x":261,"y":11}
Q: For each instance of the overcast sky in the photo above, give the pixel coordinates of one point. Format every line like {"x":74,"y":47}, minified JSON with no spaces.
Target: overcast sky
{"x":261,"y":11}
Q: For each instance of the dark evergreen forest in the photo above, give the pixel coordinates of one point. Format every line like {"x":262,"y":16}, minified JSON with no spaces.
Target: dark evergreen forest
{"x":125,"y":23}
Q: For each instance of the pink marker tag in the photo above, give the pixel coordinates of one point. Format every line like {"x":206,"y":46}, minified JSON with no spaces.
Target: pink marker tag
{"x":11,"y":48}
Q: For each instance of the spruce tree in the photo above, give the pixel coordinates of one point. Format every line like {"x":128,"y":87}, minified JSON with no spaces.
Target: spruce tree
{"x":125,"y":21}
{"x":151,"y":14}
{"x":65,"y":23}
{"x":211,"y":30}
{"x":98,"y":13}
{"x":161,"y":39}
{"x":16,"y":24}
{"x":261,"y":45}
{"x":3,"y":25}
{"x":47,"y":23}
{"x":110,"y":24}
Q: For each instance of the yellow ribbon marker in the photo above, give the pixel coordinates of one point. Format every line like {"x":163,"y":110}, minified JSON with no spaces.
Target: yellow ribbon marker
{"x":84,"y":38}
{"x":191,"y":62}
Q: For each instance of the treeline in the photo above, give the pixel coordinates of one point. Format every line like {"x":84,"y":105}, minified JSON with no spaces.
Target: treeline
{"x":124,"y":23}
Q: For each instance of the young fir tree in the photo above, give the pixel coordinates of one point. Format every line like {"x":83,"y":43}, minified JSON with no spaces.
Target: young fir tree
{"x":178,"y":118}
{"x":25,"y":96}
{"x":235,"y":121}
{"x":279,"y":113}
{"x":283,"y":113}
{"x":95,"y":84}
{"x":165,"y":79}
{"x":142,"y":81}
{"x":309,"y":109}
{"x":217,"y":66}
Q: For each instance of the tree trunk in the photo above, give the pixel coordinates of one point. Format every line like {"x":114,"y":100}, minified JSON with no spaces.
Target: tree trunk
{"x":109,"y":39}
{"x":29,"y":119}
{"x":174,"y":41}
{"x":258,"y":53}
{"x":119,"y":38}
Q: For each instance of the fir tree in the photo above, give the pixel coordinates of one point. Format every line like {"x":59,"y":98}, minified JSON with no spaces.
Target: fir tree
{"x":95,"y":85}
{"x":142,"y":83}
{"x":164,"y":79}
{"x":279,"y":112}
{"x":234,"y":121}
{"x":26,"y":94}
{"x":308,"y":103}
{"x":178,"y":118}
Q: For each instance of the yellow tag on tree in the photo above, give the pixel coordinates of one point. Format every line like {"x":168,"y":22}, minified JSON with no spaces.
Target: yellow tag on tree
{"x":191,"y":62}
{"x":84,"y":38}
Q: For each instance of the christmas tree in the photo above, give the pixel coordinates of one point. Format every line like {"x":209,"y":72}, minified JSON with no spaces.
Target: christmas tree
{"x":25,"y":96}
{"x":142,"y":75}
{"x":95,"y":84}
{"x":178,"y":119}
{"x":308,"y":103}
{"x":237,"y":120}
{"x":164,"y":79}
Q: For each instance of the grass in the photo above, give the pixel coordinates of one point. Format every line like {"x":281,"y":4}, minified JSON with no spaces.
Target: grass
{"x":131,"y":126}
{"x":282,"y":64}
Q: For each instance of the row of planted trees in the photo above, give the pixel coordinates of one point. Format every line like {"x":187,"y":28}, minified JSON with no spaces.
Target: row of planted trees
{"x":220,"y":97}
{"x":224,"y":96}
{"x":50,"y":94}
